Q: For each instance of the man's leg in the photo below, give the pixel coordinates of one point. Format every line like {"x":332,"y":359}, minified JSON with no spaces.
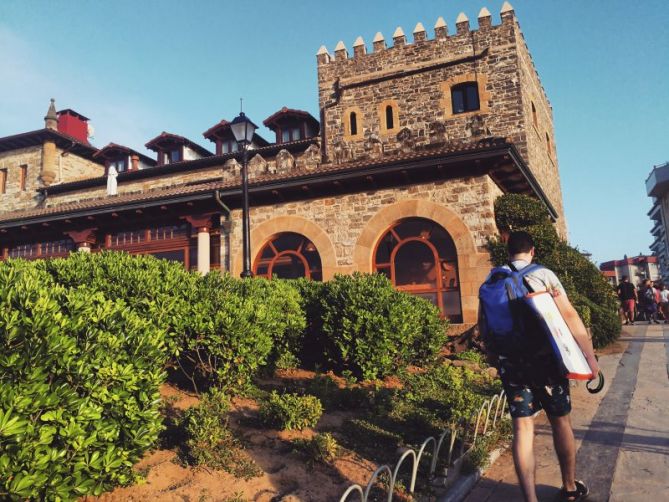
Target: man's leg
{"x":565,"y":447}
{"x":523,"y":455}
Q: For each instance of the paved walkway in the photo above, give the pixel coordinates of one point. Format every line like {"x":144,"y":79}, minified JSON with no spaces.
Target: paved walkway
{"x":622,"y":433}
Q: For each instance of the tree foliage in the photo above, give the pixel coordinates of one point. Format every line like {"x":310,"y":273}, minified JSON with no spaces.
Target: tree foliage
{"x":588,"y":290}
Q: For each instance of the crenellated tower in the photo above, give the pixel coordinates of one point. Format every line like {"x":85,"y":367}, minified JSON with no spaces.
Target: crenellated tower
{"x":452,"y":87}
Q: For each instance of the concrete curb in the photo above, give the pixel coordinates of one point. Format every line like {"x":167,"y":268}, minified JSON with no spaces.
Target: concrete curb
{"x":461,"y":488}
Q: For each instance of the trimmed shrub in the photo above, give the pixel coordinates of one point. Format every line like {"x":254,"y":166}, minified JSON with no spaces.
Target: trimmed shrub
{"x":279,"y":313}
{"x":79,"y":399}
{"x":227,"y":339}
{"x":589,"y":292}
{"x":290,"y":411}
{"x":372,"y":330}
{"x":210,"y":441}
{"x":157,"y":290}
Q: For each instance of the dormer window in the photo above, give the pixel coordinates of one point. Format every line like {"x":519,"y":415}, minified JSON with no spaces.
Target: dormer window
{"x":465,"y":97}
{"x":172,"y":156}
{"x":120,"y":165}
{"x":290,"y":134}
{"x":292,"y":125}
{"x":229,"y":146}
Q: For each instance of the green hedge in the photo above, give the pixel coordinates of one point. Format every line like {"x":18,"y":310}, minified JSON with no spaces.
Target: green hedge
{"x":589,"y":292}
{"x":157,"y":290}
{"x":372,"y":330}
{"x":79,"y":388}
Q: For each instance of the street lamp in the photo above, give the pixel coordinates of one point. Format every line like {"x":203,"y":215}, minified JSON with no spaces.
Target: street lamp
{"x":243,"y":130}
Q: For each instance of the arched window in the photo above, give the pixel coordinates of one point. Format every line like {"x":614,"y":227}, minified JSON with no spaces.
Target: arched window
{"x":465,"y":97}
{"x":353,"y":123}
{"x":289,"y":256}
{"x":534,"y":115}
{"x":390,"y":121}
{"x":419,"y":257}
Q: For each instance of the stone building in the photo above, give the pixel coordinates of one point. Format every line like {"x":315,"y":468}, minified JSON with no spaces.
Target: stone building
{"x":414,"y":142}
{"x":637,"y":269}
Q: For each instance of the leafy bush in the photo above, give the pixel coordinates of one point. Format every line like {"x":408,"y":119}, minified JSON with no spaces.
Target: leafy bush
{"x":372,"y":330}
{"x":442,"y":396}
{"x":473,"y":356}
{"x":210,"y":441}
{"x":290,"y":411}
{"x":587,"y":289}
{"x":157,"y":290}
{"x":323,"y":448}
{"x":79,"y":388}
{"x":279,"y":312}
{"x":227,"y":338}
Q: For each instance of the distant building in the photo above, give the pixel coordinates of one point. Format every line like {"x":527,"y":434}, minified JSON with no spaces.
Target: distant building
{"x":637,"y":268}
{"x":657,"y":187}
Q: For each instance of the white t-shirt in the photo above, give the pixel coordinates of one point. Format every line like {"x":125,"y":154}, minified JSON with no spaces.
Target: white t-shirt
{"x":664,"y":295}
{"x":541,"y":279}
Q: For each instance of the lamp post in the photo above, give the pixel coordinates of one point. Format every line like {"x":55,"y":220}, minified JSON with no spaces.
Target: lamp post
{"x":243,"y":130}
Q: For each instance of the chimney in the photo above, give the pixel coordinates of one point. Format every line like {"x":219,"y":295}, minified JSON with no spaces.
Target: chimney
{"x":134,"y":162}
{"x":73,"y":124}
{"x":51,"y":118}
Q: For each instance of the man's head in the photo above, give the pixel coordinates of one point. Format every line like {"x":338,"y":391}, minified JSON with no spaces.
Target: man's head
{"x":625,"y":278}
{"x":520,"y":245}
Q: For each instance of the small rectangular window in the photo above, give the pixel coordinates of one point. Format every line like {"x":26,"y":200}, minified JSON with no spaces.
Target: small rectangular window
{"x":175,"y":155}
{"x":3,"y":180}
{"x":458,"y":101}
{"x":23,"y":177}
{"x":285,"y":135}
{"x":296,"y":133}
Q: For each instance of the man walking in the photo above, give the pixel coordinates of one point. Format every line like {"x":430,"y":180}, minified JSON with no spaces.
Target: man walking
{"x":533,"y":381}
{"x":628,"y":299}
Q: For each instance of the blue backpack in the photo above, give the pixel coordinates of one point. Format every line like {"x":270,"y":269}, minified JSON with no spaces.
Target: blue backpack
{"x":508,"y":325}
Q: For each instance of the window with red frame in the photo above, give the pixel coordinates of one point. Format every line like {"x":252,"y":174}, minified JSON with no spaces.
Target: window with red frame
{"x":289,"y":256}
{"x":419,"y":257}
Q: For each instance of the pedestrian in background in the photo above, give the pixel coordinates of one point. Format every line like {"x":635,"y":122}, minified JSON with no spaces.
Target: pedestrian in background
{"x":664,"y":303}
{"x":649,"y":298}
{"x":628,"y":299}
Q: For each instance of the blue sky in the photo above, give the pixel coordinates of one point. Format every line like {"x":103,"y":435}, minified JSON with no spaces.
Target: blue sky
{"x":137,"y":68}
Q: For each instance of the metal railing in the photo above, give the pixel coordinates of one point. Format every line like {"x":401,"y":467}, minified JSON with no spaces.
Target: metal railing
{"x":488,"y":416}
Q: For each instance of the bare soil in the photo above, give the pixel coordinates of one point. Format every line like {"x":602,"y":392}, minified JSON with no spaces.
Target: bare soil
{"x":287,"y":475}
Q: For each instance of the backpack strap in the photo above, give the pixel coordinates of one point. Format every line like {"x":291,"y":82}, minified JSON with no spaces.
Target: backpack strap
{"x":530,"y":268}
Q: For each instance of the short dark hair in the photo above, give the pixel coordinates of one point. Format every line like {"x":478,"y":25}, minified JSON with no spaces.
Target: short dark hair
{"x":625,"y":277}
{"x":519,"y":242}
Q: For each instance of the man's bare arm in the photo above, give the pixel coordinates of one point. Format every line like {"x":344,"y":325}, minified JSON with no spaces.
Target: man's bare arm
{"x":578,"y":329}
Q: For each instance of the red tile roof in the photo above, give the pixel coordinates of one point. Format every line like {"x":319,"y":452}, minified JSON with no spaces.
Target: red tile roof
{"x":166,"y":137}
{"x":178,"y":190}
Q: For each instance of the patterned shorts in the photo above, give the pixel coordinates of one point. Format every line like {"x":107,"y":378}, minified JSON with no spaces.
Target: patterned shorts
{"x":526,"y":400}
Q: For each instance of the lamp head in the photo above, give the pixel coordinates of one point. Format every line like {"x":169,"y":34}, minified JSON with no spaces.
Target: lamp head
{"x":243,"y":129}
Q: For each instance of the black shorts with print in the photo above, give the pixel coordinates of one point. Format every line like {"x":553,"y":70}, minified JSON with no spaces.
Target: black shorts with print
{"x":528,"y":390}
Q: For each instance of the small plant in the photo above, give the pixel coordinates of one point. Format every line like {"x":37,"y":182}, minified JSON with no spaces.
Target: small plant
{"x":290,"y":411}
{"x":323,"y":448}
{"x":286,"y":361}
{"x":473,"y":356}
{"x":211,"y":442}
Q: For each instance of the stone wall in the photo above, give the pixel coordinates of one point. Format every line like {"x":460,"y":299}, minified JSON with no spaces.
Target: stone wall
{"x":14,"y":198}
{"x":73,"y":168}
{"x":416,"y":80}
{"x":346,"y":228}
{"x":539,"y":152}
{"x":282,"y":162}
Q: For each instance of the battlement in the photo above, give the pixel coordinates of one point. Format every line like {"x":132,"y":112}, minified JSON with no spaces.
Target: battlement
{"x":343,"y":59}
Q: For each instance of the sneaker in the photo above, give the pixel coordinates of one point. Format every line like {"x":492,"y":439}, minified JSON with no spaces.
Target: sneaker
{"x":580,"y":493}
{"x":632,"y":323}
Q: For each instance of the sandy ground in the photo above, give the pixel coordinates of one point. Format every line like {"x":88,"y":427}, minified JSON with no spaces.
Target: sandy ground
{"x":287,"y":477}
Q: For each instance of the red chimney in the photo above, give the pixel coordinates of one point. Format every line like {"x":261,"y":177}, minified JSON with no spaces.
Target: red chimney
{"x":73,"y":124}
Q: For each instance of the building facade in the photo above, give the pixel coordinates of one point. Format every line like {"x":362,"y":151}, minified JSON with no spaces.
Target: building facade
{"x":637,"y":269}
{"x":398,"y":175}
{"x":657,"y":187}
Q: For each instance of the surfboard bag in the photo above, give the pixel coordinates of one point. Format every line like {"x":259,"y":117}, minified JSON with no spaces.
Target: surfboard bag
{"x":565,"y":348}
